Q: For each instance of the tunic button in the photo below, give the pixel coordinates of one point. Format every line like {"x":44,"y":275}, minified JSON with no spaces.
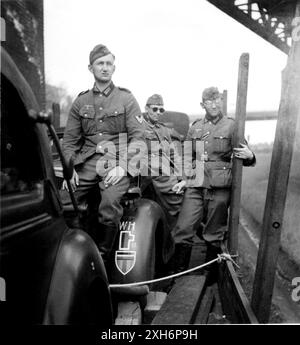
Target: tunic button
{"x":100,"y":133}
{"x":224,"y":168}
{"x":206,"y":142}
{"x":116,"y":112}
{"x":100,"y":108}
{"x":100,"y":120}
{"x":85,"y":115}
{"x":205,"y":152}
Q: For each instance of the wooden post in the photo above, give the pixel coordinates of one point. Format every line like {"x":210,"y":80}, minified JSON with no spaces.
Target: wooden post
{"x":289,"y":111}
{"x":56,"y":115}
{"x":237,"y":169}
{"x":224,"y":108}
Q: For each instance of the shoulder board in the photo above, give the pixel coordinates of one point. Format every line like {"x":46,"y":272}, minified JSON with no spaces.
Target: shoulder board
{"x":83,"y":92}
{"x":231,"y":118}
{"x":198,"y":120}
{"x":124,"y":89}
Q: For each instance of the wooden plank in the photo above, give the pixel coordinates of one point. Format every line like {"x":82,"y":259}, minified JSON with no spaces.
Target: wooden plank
{"x":129,"y":313}
{"x":56,"y":115}
{"x":216,"y":316}
{"x":289,"y":111}
{"x":155,"y":300}
{"x":237,"y":168}
{"x":235,"y":303}
{"x":225,"y":101}
{"x":181,"y":302}
{"x":205,"y":307}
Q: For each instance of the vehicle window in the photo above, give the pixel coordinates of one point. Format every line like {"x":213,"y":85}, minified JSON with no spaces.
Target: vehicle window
{"x":20,"y":167}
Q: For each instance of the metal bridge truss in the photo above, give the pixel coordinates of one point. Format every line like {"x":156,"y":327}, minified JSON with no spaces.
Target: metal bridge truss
{"x":270,"y":19}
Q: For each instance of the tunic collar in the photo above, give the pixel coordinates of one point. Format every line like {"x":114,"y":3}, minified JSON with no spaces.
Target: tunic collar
{"x":107,"y":91}
{"x":212,"y":119}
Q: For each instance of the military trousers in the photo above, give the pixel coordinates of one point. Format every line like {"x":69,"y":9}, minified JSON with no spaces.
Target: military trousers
{"x":167,"y":199}
{"x":206,"y":206}
{"x":110,"y":209}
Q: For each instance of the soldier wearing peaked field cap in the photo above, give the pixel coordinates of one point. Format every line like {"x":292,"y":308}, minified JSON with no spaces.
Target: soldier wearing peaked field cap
{"x":104,"y":124}
{"x":210,"y":93}
{"x":155,"y":100}
{"x":99,"y":51}
{"x":162,"y":171}
{"x":207,"y":198}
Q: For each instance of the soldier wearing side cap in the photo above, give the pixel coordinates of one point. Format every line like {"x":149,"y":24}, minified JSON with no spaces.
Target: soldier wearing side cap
{"x":164,"y":163}
{"x":207,"y":196}
{"x":101,"y":124}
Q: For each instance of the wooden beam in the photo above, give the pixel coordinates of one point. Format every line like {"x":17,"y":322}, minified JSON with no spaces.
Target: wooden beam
{"x":155,"y":300}
{"x":225,"y":102}
{"x":129,"y":313}
{"x":289,"y":111}
{"x":235,"y":303}
{"x":237,"y":169}
{"x":182,"y":302}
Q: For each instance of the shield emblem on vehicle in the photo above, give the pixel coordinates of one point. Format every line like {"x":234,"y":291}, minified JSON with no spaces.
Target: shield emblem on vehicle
{"x":125,"y":260}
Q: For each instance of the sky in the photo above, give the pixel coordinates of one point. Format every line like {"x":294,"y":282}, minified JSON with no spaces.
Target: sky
{"x":172,"y":47}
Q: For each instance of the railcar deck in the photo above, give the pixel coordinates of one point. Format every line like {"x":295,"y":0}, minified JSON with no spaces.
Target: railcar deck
{"x":192,"y":300}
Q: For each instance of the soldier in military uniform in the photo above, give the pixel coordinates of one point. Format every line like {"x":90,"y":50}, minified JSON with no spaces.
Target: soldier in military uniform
{"x":101,"y":122}
{"x":164,"y":146}
{"x":207,"y":196}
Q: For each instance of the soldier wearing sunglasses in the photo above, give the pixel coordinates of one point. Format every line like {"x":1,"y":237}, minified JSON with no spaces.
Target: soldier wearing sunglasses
{"x":208,"y":199}
{"x":162,"y":141}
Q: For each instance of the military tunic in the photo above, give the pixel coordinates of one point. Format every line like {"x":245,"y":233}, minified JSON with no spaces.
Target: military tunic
{"x":164,"y":163}
{"x":99,"y":127}
{"x":207,"y":198}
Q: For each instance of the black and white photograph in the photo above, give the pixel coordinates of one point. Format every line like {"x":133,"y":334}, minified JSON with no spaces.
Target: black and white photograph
{"x":150,"y":167}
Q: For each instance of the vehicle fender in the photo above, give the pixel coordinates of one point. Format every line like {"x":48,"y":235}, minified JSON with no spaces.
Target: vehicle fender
{"x":79,"y":291}
{"x":143,"y":239}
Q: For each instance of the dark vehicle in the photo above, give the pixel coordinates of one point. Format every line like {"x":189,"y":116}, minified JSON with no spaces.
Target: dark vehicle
{"x":53,"y":274}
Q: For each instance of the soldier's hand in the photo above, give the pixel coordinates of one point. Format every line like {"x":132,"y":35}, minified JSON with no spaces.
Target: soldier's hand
{"x":179,"y":187}
{"x":114,"y":176}
{"x":243,"y":152}
{"x":74,"y":182}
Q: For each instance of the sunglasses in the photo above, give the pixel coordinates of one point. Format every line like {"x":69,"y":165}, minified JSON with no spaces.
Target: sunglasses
{"x":155,"y":109}
{"x":211,"y":102}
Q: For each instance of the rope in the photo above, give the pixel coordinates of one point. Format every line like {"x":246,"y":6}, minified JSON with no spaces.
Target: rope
{"x":223,"y":256}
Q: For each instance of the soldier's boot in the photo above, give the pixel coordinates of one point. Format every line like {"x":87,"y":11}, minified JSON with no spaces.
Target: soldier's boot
{"x":212,"y":252}
{"x":179,"y":262}
{"x":105,"y":241}
{"x":182,"y":257}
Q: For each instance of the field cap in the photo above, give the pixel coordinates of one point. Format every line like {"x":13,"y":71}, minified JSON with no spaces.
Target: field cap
{"x":210,"y":93}
{"x":99,"y":51}
{"x":155,"y":100}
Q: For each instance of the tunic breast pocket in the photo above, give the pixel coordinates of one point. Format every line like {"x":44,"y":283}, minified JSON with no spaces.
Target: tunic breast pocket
{"x":222,"y":143}
{"x":115,"y":119}
{"x":87,"y":114}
